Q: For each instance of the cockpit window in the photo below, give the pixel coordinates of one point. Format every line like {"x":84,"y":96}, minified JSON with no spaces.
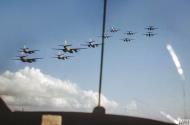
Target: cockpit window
{"x":51,"y":51}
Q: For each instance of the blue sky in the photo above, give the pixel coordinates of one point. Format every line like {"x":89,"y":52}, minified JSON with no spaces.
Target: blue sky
{"x":142,"y":69}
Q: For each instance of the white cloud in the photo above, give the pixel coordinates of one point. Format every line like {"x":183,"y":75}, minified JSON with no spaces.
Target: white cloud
{"x":30,"y":88}
{"x":132,"y":105}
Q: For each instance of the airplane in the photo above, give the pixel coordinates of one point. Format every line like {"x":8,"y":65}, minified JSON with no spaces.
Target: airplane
{"x":28,"y":60}
{"x":130,"y":33}
{"x":27,"y":50}
{"x":71,"y":50}
{"x":114,"y":29}
{"x":150,"y":34}
{"x":62,"y":57}
{"x":66,"y":48}
{"x":106,"y":36}
{"x":127,"y":39}
{"x":91,"y":44}
{"x":150,"y":28}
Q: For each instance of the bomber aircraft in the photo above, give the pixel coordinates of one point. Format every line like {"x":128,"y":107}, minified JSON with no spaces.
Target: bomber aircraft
{"x":26,"y":50}
{"x":150,"y":34}
{"x":127,"y":39}
{"x":61,"y":56}
{"x":66,"y":48}
{"x":150,"y":28}
{"x":91,"y":44}
{"x":114,"y":29}
{"x":130,"y":33}
{"x":25,"y":59}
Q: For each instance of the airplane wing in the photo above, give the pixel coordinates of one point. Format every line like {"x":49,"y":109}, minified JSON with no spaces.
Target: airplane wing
{"x":20,"y":50}
{"x":65,"y":45}
{"x":24,"y":48}
{"x":68,"y":56}
{"x":84,"y":44}
{"x":57,"y":49}
{"x":35,"y":50}
{"x":22,"y":56}
{"x":97,"y":44}
{"x":105,"y":36}
{"x":77,"y":48}
{"x":34,"y":58}
{"x":122,"y":39}
{"x":37,"y":58}
{"x":15,"y":59}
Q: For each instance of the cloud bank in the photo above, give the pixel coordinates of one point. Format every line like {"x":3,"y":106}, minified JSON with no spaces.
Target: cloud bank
{"x":30,"y":88}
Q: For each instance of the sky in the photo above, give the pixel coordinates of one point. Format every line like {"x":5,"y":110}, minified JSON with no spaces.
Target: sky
{"x":140,"y":78}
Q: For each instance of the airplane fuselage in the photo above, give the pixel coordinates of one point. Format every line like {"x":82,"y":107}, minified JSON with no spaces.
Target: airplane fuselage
{"x":23,"y":59}
{"x":27,"y":51}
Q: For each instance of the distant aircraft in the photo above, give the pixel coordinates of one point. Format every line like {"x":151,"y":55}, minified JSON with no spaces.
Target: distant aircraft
{"x":66,"y":48}
{"x":106,"y":36}
{"x":27,"y":50}
{"x":62,"y":57}
{"x":150,"y":34}
{"x":127,"y":39}
{"x":150,"y":28}
{"x":114,"y":29}
{"x":70,"y":50}
{"x":91,"y":44}
{"x":25,"y":59}
{"x":130,"y":33}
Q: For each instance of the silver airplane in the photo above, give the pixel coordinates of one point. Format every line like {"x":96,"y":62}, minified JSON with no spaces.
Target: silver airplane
{"x":26,"y":50}
{"x":149,"y":34}
{"x":66,"y":48}
{"x":62,"y":56}
{"x":150,"y":28}
{"x":25,"y":59}
{"x":106,"y":36}
{"x":130,"y":33}
{"x":91,"y":44}
{"x":114,"y":29}
{"x":127,"y":39}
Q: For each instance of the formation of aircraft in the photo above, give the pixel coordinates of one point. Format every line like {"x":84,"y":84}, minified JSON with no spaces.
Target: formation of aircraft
{"x":25,"y":59}
{"x":150,"y":32}
{"x":66,"y":48}
{"x":25,"y":51}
